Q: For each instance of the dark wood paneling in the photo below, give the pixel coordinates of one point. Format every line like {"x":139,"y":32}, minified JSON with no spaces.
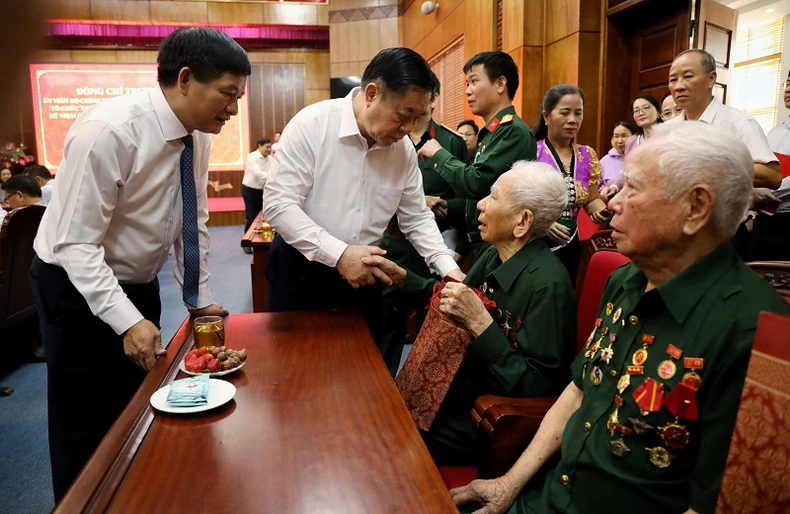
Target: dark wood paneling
{"x":225,"y":219}
{"x":222,"y":179}
{"x":276,"y":91}
{"x":715,"y":31}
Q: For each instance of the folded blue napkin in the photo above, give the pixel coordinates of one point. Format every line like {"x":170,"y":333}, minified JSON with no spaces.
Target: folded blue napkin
{"x":189,"y":392}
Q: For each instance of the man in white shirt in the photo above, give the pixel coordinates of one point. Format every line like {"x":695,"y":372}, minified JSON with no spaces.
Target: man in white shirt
{"x":44,"y":179}
{"x":342,"y":171}
{"x":256,"y":171}
{"x":20,"y":191}
{"x":770,"y":239}
{"x":131,"y":184}
{"x":692,"y":77}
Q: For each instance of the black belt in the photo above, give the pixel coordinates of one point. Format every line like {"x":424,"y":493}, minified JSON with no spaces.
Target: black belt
{"x":474,"y":237}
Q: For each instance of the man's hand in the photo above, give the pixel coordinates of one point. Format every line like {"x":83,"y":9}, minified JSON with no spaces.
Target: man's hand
{"x":395,"y":273}
{"x":429,"y":148}
{"x":496,"y":495}
{"x":763,"y":197}
{"x":559,"y":233}
{"x":356,"y":272}
{"x":214,"y":309}
{"x":438,"y":206}
{"x":459,"y":302}
{"x":143,"y":344}
{"x":601,"y":217}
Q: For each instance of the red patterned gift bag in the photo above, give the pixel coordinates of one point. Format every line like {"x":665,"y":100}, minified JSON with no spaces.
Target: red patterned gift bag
{"x":434,"y":360}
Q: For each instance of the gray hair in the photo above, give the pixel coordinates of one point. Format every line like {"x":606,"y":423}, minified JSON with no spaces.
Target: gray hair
{"x":540,"y":188}
{"x":706,"y":59}
{"x":693,"y":152}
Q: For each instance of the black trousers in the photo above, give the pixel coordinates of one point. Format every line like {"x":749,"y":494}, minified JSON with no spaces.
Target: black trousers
{"x":297,"y":284}
{"x":253,"y":203}
{"x":90,"y":379}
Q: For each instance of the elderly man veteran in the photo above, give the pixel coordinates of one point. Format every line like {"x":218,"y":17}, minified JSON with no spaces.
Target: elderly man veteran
{"x":645,"y":426}
{"x":525,"y":349}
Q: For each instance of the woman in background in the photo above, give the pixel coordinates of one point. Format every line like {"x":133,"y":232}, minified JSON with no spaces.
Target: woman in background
{"x":5,"y":174}
{"x":612,"y":163}
{"x":560,"y":119}
{"x":647,"y":114}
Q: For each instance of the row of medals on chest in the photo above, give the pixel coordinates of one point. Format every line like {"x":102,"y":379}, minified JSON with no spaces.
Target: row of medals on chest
{"x":649,"y":396}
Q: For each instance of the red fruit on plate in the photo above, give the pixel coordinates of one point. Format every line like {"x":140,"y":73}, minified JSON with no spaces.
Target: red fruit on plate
{"x":201,"y":351}
{"x":214,"y":365}
{"x":192,"y":365}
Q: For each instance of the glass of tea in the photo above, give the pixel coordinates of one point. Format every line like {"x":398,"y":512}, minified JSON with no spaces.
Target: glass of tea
{"x":209,"y":331}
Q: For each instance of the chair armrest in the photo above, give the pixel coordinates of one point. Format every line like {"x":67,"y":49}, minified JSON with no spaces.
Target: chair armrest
{"x":506,"y":426}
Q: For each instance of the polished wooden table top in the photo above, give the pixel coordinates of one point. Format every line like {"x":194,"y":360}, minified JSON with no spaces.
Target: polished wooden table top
{"x":316,"y":426}
{"x":253,"y":238}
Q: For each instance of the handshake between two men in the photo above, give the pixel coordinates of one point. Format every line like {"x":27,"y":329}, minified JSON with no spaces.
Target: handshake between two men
{"x":362,"y":265}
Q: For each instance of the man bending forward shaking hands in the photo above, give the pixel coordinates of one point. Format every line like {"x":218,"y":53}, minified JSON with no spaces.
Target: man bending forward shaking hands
{"x":342,"y":171}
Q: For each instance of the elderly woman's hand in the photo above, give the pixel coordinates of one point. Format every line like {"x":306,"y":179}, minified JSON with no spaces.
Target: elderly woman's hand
{"x":463,"y":305}
{"x":395,"y":273}
{"x":559,"y":233}
{"x":495,"y":496}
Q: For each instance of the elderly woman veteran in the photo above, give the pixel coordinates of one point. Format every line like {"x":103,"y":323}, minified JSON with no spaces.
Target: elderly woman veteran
{"x":526,"y":348}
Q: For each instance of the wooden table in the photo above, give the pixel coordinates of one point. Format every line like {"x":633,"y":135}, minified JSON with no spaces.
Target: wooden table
{"x":316,"y":426}
{"x":260,"y":258}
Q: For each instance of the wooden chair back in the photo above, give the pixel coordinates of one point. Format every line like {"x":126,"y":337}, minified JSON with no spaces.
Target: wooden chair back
{"x":16,"y":255}
{"x":776,"y":273}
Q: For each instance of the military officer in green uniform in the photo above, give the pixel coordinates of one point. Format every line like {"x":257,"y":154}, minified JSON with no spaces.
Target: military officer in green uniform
{"x":646,"y":423}
{"x":492,"y":82}
{"x":437,"y":193}
{"x":525,"y":347}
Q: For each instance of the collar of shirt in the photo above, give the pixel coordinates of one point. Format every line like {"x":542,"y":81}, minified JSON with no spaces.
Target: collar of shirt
{"x":613,"y":153}
{"x":526,"y":258}
{"x":710,"y":112}
{"x":171,"y":126}
{"x":348,"y":121}
{"x":683,"y":291}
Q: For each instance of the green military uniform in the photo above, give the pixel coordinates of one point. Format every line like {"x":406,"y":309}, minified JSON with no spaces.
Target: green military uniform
{"x":654,"y":427}
{"x":524,"y":353}
{"x":505,"y":140}
{"x":400,"y":251}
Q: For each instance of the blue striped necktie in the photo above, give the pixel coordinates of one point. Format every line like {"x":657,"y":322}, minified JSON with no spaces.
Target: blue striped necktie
{"x":190,"y":230}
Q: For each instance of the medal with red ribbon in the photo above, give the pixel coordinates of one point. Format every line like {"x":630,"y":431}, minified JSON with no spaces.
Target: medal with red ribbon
{"x":692,"y":378}
{"x":649,"y":395}
{"x":682,"y":402}
{"x":640,"y":356}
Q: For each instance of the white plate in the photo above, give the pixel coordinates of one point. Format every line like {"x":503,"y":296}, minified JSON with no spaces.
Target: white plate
{"x":219,"y":393}
{"x":183,"y":368}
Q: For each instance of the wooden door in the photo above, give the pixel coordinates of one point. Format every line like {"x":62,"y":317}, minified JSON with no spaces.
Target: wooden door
{"x":714,"y":31}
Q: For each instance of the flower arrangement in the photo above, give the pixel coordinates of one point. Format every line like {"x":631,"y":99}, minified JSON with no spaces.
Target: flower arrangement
{"x":12,"y":153}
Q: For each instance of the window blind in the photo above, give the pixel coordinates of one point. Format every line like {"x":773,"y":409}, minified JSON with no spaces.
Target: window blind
{"x":449,"y":68}
{"x":756,"y":76}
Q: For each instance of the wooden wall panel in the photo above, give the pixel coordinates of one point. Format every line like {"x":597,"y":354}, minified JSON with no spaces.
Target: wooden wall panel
{"x":530,"y":90}
{"x":137,"y":56}
{"x":348,"y":68}
{"x":220,"y":180}
{"x":588,"y":80}
{"x":121,"y":10}
{"x":317,"y":71}
{"x":312,"y":96}
{"x":168,"y":11}
{"x":276,"y":92}
{"x":99,"y":55}
{"x":70,"y":9}
{"x":353,"y":4}
{"x":353,"y":44}
{"x":417,"y":26}
{"x":289,"y":14}
{"x":562,"y":19}
{"x":235,"y":13}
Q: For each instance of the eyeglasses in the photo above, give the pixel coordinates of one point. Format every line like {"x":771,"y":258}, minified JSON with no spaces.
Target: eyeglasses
{"x":643,"y":110}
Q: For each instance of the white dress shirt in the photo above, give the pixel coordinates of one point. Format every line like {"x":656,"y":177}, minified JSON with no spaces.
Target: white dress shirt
{"x":46,"y":191}
{"x":740,"y":125}
{"x":256,"y":170}
{"x":118,"y":208}
{"x":779,"y":139}
{"x":327,"y":190}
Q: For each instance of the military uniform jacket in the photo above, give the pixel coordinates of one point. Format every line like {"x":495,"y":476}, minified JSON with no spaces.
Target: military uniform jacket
{"x":653,"y":430}
{"x":524,"y":353}
{"x":505,"y":140}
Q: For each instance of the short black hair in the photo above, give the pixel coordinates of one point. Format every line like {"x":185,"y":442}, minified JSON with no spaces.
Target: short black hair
{"x":263,"y":141}
{"x":22,"y":183}
{"x":497,"y":64}
{"x":398,"y":69}
{"x":627,"y":125}
{"x":652,"y":100}
{"x":550,"y":100}
{"x":206,"y":51}
{"x":471,"y":123}
{"x":37,"y":170}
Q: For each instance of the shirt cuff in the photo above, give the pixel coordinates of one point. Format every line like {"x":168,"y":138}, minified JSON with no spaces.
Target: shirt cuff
{"x":491,"y":345}
{"x":122,"y":316}
{"x":331,"y":250}
{"x":439,"y":158}
{"x":444,"y":264}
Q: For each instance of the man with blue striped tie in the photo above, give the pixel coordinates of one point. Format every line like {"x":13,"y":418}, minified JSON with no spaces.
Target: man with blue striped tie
{"x":132,"y":183}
